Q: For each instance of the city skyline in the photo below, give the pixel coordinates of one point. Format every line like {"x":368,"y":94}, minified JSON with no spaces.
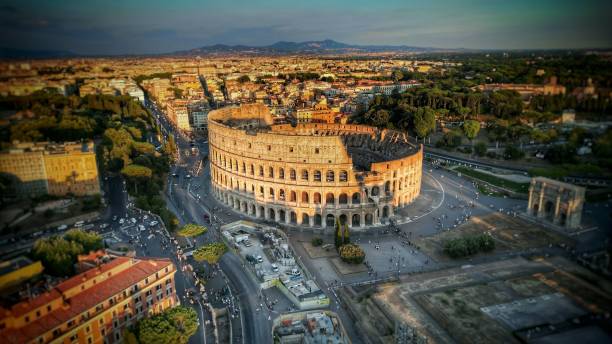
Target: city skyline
{"x":135,"y":27}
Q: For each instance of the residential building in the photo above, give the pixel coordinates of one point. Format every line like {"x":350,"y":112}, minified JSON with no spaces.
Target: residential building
{"x":178,"y":114}
{"x":93,"y":307}
{"x":54,"y":169}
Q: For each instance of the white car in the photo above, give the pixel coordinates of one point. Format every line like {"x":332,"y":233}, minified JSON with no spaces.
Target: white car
{"x":62,"y":228}
{"x":121,"y":221}
{"x":145,"y":217}
{"x":133,"y":220}
{"x":153,"y":223}
{"x":79,"y":224}
{"x":104,"y":225}
{"x":141,"y":228}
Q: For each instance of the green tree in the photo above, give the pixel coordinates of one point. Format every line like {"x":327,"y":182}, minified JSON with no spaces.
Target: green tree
{"x":513,"y":153}
{"x":59,"y":254}
{"x":316,"y":242}
{"x":211,"y":253}
{"x":90,"y":241}
{"x":175,"y":325}
{"x":424,"y":121}
{"x":471,"y":129}
{"x":244,"y":78}
{"x":480,"y":148}
{"x":352,"y":254}
{"x":346,"y":235}
{"x":338,"y":235}
{"x":191,"y":230}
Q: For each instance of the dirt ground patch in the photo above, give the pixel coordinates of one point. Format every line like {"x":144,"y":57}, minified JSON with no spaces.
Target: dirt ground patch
{"x":319,"y":251}
{"x":347,"y":269}
{"x":454,"y":305}
{"x":510,"y":234}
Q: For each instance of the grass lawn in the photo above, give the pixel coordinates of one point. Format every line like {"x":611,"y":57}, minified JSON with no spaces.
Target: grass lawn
{"x":507,"y":184}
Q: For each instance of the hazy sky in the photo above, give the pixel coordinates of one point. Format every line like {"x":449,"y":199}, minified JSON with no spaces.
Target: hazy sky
{"x":151,"y":26}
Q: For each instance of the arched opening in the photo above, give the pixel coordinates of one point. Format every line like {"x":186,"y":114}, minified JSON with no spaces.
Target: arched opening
{"x":304,"y":175}
{"x":317,"y":176}
{"x":343,"y":176}
{"x":330,"y":177}
{"x":563,"y":218}
{"x":330,"y":199}
{"x":316,"y":198}
{"x":292,"y":174}
{"x":317,"y":220}
{"x":293,"y":196}
{"x":330,"y":220}
{"x":243,"y":168}
{"x":244,"y":207}
{"x":281,"y":173}
{"x":271,"y":172}
{"x":261,"y":171}
{"x":262,"y":212}
{"x":293,"y":217}
{"x":535,"y":209}
{"x":385,"y":212}
{"x":252,"y":169}
{"x":271,"y":214}
{"x":356,"y":218}
{"x":281,"y":195}
{"x":369,"y":219}
{"x":304,"y":197}
{"x":356,"y":199}
{"x":342,"y":219}
{"x":282,"y":215}
{"x":548,"y":210}
{"x":305,"y":219}
{"x":271,"y":193}
{"x":375,"y":191}
{"x":343,"y":198}
{"x":388,"y":187}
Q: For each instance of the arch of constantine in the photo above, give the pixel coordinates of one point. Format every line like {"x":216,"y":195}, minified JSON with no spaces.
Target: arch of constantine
{"x":312,"y":174}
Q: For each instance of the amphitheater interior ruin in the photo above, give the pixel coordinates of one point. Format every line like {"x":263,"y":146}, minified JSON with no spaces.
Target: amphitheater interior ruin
{"x":311,"y":174}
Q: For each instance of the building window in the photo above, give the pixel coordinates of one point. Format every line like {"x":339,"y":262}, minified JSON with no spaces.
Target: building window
{"x":290,"y":149}
{"x":316,"y":150}
{"x":27,"y":319}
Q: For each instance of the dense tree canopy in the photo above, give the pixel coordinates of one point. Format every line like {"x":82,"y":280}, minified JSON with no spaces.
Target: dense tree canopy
{"x":175,"y":325}
{"x":210,"y":253}
{"x":59,"y":254}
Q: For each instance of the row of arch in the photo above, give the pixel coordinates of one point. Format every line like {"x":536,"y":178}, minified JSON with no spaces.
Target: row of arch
{"x":289,"y":216}
{"x":232,"y":164}
{"x":283,"y":195}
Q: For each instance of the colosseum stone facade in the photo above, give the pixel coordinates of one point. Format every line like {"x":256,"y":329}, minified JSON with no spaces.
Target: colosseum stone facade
{"x":312,"y":174}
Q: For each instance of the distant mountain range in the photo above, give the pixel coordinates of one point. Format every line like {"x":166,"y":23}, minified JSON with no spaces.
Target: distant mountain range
{"x":327,"y":46}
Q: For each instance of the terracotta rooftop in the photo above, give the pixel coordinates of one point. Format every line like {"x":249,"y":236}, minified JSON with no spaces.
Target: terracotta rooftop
{"x":81,"y":302}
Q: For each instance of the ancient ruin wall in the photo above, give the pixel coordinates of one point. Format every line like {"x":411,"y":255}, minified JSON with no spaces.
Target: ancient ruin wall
{"x":308,"y":175}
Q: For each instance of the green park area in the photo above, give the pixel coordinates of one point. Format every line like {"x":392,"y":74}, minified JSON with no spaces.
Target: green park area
{"x":493,"y":180}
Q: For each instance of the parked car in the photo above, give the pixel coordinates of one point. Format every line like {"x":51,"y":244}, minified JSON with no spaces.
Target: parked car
{"x":259,"y":259}
{"x":79,"y":224}
{"x":274,"y":267}
{"x":62,"y":227}
{"x":153,"y":223}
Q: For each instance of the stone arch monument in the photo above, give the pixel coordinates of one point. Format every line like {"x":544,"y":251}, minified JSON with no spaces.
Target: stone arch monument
{"x":555,"y":202}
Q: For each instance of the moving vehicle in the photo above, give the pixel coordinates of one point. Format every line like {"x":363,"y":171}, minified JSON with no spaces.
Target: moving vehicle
{"x":79,"y":224}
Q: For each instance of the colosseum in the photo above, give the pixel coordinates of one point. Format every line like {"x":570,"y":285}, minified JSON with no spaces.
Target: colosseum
{"x":312,"y":174}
